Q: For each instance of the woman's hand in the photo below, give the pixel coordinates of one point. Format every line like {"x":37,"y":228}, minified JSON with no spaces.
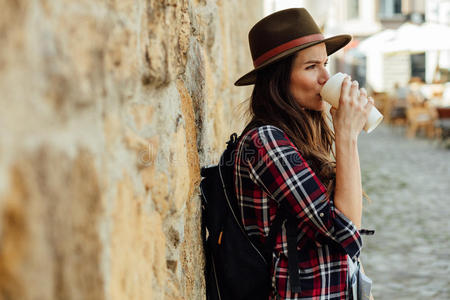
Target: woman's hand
{"x":351,"y":115}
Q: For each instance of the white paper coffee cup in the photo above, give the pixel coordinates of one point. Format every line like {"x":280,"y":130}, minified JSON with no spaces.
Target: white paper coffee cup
{"x":331,"y":93}
{"x":374,"y":119}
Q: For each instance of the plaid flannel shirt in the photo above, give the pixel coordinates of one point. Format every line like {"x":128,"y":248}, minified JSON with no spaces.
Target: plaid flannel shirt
{"x":269,"y":169}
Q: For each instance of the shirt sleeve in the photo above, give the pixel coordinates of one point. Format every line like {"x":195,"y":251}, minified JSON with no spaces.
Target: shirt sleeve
{"x":276,"y":165}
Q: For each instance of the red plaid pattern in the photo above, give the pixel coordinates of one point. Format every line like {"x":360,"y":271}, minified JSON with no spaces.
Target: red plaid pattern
{"x":269,"y":169}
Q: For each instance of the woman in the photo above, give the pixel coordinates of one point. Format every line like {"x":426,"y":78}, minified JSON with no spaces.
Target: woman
{"x":285,"y":156}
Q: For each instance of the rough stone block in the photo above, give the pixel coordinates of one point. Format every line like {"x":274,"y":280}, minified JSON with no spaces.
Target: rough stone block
{"x":109,"y":109}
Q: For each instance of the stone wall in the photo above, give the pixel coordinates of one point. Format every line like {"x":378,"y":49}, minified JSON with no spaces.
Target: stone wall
{"x":107,"y":111}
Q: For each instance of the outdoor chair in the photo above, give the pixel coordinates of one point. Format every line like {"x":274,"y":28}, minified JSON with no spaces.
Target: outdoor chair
{"x":419,"y":117}
{"x":442,"y":124}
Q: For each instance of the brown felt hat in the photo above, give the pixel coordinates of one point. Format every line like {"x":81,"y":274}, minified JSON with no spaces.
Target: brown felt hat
{"x":283,"y":33}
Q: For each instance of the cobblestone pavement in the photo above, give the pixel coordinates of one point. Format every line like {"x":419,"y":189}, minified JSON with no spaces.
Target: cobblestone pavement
{"x":408,"y":182}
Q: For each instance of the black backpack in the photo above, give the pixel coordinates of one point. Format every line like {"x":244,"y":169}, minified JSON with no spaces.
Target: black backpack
{"x":237,"y":266}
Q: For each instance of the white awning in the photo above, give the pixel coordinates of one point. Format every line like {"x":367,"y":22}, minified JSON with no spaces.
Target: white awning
{"x":409,"y":38}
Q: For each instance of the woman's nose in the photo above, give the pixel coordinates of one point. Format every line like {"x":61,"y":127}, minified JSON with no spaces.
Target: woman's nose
{"x":323,"y":77}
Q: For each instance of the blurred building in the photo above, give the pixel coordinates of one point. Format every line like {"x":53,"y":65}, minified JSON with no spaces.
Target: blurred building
{"x":393,"y":13}
{"x":386,"y":27}
{"x":395,"y":28}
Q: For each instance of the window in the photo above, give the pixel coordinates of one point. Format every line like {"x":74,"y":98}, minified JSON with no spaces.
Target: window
{"x":353,"y":9}
{"x":418,"y":66}
{"x":390,"y":8}
{"x":397,"y":6}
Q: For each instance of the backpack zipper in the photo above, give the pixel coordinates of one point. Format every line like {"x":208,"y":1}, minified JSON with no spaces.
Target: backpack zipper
{"x":219,"y":241}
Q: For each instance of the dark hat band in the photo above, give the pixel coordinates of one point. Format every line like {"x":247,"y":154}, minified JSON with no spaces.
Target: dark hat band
{"x":286,"y":46}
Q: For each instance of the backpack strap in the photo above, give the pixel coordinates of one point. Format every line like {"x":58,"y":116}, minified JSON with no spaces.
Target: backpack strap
{"x":283,"y":214}
{"x":275,"y":227}
{"x":367,"y":231}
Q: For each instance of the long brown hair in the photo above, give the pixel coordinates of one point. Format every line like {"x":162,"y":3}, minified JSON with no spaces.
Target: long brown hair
{"x":271,"y":103}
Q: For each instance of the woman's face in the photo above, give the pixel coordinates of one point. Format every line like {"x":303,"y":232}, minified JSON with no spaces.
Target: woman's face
{"x":308,"y":76}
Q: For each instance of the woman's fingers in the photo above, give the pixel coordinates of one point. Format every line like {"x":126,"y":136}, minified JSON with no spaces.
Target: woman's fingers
{"x":362,"y":99}
{"x":345,"y":89}
{"x":363,"y":92}
{"x":349,"y":91}
{"x":332,"y":111}
{"x":363,"y":96}
{"x":354,"y":91}
{"x":354,"y":108}
{"x":369,"y":105}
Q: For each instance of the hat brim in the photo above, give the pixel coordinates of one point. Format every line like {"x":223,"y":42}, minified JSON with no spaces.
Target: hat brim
{"x":332,"y":44}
